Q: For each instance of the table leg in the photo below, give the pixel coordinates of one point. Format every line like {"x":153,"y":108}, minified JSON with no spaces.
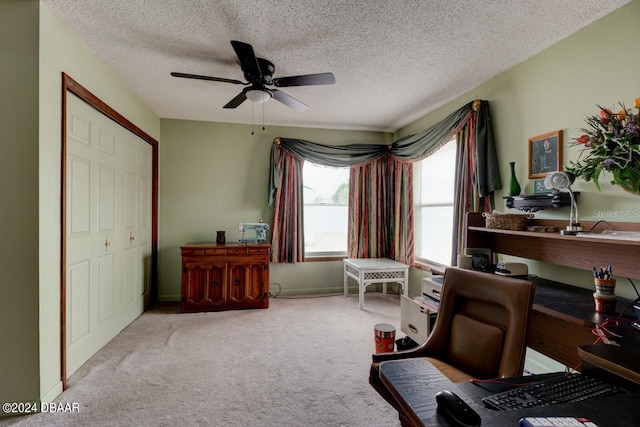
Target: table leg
{"x":384,"y":288}
{"x":405,"y":283}
{"x":346,"y":281}
{"x":361,"y":289}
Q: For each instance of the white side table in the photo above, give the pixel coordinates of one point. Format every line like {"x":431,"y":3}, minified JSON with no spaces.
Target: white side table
{"x":367,"y":271}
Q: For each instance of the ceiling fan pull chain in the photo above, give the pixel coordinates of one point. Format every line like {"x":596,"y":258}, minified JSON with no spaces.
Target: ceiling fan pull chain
{"x":251,"y":118}
{"x":263,"y":117}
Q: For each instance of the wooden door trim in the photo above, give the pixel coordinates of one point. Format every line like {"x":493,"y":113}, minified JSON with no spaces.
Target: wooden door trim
{"x":69,"y":84}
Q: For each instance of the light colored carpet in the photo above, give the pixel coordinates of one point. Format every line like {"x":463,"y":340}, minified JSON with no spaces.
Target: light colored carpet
{"x":302,"y":362}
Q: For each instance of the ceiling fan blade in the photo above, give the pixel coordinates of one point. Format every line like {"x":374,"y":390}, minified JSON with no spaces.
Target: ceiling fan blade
{"x":288,"y":100}
{"x":248,"y":60}
{"x":239,"y":99}
{"x":305,"y":80}
{"x":214,"y":79}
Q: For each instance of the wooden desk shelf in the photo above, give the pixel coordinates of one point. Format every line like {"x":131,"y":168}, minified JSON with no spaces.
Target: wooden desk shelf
{"x":570,"y":251}
{"x":563,"y":316}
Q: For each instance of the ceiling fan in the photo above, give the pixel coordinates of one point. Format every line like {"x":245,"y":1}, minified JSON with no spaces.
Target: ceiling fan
{"x":259,"y":74}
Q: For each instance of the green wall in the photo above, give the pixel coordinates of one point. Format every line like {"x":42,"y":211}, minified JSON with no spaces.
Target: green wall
{"x":61,"y":51}
{"x":555,"y":90}
{"x":19,"y":370}
{"x":215,"y":175}
{"x":36,"y":48}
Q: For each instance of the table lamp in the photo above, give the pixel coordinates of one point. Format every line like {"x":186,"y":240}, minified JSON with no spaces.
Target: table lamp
{"x":560,"y":180}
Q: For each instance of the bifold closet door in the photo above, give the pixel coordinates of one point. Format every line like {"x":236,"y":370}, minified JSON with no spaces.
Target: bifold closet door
{"x":108,"y":229}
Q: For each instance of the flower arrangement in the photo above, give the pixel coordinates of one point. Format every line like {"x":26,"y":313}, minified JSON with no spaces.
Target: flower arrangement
{"x":611,"y":143}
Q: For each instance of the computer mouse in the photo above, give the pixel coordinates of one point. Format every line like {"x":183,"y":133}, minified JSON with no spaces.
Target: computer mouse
{"x":456,"y":410}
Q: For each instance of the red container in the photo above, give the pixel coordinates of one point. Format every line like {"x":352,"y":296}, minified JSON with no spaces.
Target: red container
{"x":385,"y":337}
{"x":605,"y":303}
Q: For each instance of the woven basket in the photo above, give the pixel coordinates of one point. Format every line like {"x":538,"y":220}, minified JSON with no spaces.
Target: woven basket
{"x":506,"y":221}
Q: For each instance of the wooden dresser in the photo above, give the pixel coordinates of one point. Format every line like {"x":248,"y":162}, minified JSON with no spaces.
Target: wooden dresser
{"x":224,"y":277}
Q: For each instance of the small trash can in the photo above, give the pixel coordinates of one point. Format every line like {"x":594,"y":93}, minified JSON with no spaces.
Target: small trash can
{"x":385,"y":337}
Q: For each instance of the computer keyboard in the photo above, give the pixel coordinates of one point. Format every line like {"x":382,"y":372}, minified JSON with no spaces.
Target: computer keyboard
{"x":568,"y":388}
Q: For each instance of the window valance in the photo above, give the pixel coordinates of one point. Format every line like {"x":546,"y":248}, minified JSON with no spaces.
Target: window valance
{"x":409,"y":148}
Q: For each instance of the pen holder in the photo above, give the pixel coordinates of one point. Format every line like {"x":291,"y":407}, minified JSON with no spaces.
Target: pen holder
{"x":605,"y":303}
{"x":605,"y":286}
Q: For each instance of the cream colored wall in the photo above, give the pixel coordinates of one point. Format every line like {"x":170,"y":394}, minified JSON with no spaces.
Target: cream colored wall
{"x":215,"y":175}
{"x":19,"y":370}
{"x":554,"y":90}
{"x":60,"y":50}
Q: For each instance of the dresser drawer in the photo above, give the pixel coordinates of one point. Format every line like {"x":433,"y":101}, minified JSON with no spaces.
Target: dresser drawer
{"x":238,"y":251}
{"x":257,"y":251}
{"x":215,"y":251}
{"x":192,"y":251}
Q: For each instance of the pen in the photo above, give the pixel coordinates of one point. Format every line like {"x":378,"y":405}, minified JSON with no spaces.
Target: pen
{"x":595,"y":273}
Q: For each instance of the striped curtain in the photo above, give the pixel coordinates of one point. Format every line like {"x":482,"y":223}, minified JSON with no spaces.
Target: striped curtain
{"x":287,"y":236}
{"x":467,"y":195}
{"x":381,"y":210}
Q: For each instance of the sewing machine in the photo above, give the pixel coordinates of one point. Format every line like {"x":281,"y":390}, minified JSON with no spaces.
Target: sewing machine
{"x":260,"y":229}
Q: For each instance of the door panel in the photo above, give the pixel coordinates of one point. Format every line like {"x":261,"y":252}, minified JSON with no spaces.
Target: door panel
{"x":79,"y":210}
{"x":105,"y":265}
{"x":106,"y":198}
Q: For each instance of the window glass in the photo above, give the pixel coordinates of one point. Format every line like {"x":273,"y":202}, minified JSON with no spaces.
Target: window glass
{"x":434,"y":188}
{"x":326,"y":210}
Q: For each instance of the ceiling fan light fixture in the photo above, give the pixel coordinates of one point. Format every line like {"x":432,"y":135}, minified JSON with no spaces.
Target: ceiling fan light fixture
{"x":258,"y":96}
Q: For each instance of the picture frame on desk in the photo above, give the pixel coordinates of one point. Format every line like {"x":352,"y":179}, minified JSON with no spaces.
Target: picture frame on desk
{"x":539,"y":188}
{"x":481,"y":258}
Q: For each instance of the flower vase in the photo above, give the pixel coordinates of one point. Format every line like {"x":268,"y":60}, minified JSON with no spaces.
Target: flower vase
{"x":514,"y":186}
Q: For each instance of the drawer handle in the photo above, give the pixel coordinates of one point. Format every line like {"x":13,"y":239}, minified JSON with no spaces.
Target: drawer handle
{"x":237,"y":282}
{"x":413,"y":328}
{"x":214,"y":283}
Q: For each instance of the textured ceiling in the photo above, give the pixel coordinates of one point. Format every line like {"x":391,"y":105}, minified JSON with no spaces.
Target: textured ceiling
{"x":393,"y":60}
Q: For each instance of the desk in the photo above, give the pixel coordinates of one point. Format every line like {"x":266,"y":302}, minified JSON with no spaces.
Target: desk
{"x":562,"y":316}
{"x":415,"y":383}
{"x":367,"y":271}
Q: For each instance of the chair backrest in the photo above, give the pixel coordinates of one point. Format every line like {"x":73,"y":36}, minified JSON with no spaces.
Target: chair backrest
{"x":482,"y":323}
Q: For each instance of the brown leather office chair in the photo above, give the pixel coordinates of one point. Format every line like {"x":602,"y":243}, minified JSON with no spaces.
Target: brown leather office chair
{"x":480,"y":330}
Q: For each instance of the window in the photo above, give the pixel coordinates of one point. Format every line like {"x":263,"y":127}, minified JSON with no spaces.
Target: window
{"x":434,"y":194}
{"x":326,"y":210}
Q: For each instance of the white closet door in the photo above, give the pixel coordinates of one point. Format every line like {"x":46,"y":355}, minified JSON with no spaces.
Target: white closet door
{"x":105,"y":280}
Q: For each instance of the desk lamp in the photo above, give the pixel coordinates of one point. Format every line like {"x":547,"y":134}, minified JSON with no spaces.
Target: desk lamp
{"x":560,"y":180}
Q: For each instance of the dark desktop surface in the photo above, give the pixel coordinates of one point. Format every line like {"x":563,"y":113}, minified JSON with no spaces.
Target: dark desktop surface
{"x":575,"y":301}
{"x":416,"y":382}
{"x":578,"y":303}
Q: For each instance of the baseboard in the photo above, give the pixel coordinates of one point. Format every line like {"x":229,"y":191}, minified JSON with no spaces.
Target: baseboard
{"x":168,"y":298}
{"x":55,"y":391}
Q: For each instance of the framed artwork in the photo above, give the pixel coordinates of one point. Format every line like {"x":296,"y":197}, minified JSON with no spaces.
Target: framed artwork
{"x":539,"y":188}
{"x":545,"y":154}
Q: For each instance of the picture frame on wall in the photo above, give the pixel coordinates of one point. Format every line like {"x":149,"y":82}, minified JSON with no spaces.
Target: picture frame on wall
{"x":545,"y":154}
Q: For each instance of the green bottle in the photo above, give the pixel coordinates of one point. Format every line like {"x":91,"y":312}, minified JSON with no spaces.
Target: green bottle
{"x":514,"y":187}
